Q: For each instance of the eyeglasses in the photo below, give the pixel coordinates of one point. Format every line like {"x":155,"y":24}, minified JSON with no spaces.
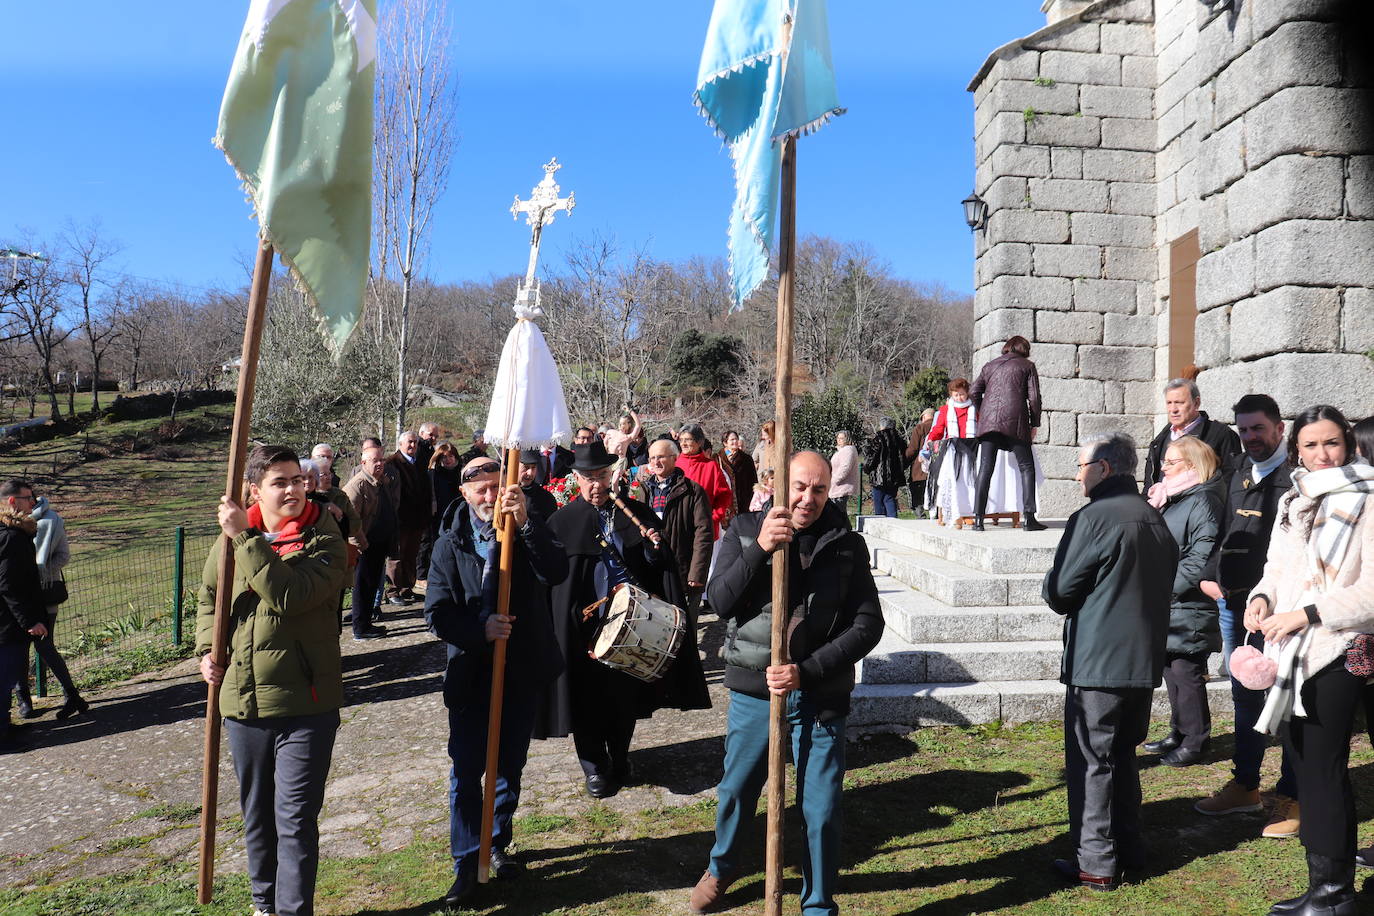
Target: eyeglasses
{"x":1170,"y":462}
{"x":491,"y":467}
{"x":1088,"y":464}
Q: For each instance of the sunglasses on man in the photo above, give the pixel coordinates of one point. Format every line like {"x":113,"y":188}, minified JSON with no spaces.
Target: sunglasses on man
{"x":491,"y":467}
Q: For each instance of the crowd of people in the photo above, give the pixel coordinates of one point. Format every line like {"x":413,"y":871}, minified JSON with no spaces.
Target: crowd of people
{"x":1253,"y":541}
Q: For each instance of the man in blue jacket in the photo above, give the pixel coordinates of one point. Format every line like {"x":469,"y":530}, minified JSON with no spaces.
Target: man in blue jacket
{"x":1112,"y":580}
{"x":460,"y":607}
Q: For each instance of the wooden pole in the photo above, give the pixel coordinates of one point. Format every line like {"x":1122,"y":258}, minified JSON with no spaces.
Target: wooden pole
{"x":224,"y":586}
{"x":782,"y":448}
{"x":498,"y":677}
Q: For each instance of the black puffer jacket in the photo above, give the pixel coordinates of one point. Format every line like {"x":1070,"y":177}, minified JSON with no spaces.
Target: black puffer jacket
{"x":1007,"y":395}
{"x":1194,"y":520}
{"x":883,"y":459}
{"x":836,"y":618}
{"x":1219,"y":436}
{"x":21,"y":599}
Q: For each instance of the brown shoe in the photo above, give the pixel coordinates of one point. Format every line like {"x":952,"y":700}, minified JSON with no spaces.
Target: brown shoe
{"x":1233,"y":798}
{"x":1285,"y":820}
{"x":706,"y":895}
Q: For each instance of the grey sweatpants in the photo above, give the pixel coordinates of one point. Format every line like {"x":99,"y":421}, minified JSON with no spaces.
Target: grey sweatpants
{"x":282,"y":764}
{"x":1101,"y":730}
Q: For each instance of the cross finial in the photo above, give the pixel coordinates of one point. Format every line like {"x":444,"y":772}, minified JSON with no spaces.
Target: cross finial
{"x":539,"y":212}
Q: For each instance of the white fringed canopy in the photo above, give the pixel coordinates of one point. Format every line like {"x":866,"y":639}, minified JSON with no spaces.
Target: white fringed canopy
{"x":527,"y":405}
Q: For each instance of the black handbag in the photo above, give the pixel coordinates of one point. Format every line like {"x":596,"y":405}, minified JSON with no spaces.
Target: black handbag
{"x":55,"y":592}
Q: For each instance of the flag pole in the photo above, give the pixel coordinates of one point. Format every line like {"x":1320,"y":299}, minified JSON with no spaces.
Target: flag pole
{"x":782,"y":448}
{"x":224,"y":585}
{"x":498,"y":676}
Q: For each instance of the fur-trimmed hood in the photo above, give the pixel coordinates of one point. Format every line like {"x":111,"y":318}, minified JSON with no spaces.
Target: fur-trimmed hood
{"x":15,"y":520}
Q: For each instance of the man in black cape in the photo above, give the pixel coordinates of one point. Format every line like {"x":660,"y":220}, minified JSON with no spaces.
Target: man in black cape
{"x":606,"y":547}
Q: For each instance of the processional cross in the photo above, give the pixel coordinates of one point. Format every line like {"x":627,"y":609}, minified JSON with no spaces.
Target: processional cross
{"x":539,"y":211}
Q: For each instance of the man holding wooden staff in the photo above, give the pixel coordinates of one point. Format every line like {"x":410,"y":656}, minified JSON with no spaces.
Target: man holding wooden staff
{"x":460,"y":607}
{"x":835,"y":621}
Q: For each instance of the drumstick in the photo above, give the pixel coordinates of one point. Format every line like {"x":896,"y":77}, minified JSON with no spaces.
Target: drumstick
{"x":645,"y":530}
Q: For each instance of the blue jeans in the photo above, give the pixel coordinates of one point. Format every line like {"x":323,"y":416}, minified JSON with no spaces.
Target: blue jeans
{"x":467,"y":747}
{"x":1250,"y":744}
{"x":885,"y":501}
{"x":818,"y":751}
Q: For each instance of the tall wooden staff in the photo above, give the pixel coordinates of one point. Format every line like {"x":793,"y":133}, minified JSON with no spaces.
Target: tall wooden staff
{"x":224,"y":584}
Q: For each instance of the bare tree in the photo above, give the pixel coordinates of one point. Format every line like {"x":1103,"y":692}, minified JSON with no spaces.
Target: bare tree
{"x":415,"y":138}
{"x":100,"y":302}
{"x":35,"y":311}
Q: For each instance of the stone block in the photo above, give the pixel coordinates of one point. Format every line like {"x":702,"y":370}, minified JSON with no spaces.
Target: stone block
{"x":1213,"y":225}
{"x":1138,"y":71}
{"x":1084,"y":394}
{"x":1269,"y":15}
{"x":1357,"y":320}
{"x":1112,"y":229}
{"x":1222,"y":386}
{"x":1055,"y":359}
{"x":1016,"y":159}
{"x":1296,"y":54}
{"x":1080,"y":68}
{"x":982,"y":300}
{"x":1139,"y":11}
{"x":1310,"y":119}
{"x":1007,"y":258}
{"x":1359,"y":187}
{"x":1078,"y":36}
{"x":1117,"y":102}
{"x":1018,"y":95}
{"x":1177,"y":119}
{"x":1063,"y":426}
{"x":1290,"y":318}
{"x":1118,"y":363}
{"x":1141,"y":398}
{"x":1055,"y":498}
{"x":1068,"y":261}
{"x":1139,"y":428}
{"x":1002,"y":127}
{"x":1015,"y":64}
{"x":1126,"y":38}
{"x":1212,"y":337}
{"x":1068,"y":327}
{"x":1063,"y":130}
{"x":1128,"y":330}
{"x":1315,"y":253}
{"x":1068,"y":194}
{"x":1220,"y":41}
{"x":1105,"y":296}
{"x":1225,"y":275}
{"x":1007,"y":193}
{"x":1130,"y":264}
{"x":1130,"y":133}
{"x":1295,"y":380}
{"x":1066,"y":163}
{"x":1220,"y":158}
{"x":1028,"y":226}
{"x":1113,"y":397}
{"x":1118,"y":165}
{"x":1175,"y":83}
{"x":1001,"y":323}
{"x":1059,"y":461}
{"x":1289,"y":187}
{"x":1031,"y":293}
{"x":1134,"y":198}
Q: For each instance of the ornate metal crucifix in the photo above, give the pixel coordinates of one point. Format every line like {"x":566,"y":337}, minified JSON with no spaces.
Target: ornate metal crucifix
{"x":539,"y":211}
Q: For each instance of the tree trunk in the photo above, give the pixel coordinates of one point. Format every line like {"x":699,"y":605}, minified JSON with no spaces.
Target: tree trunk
{"x":95,"y":386}
{"x":402,"y":348}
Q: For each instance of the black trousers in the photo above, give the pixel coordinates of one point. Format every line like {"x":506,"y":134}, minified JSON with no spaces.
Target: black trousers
{"x":367,"y":578}
{"x":1185,"y":677}
{"x":989,"y":444}
{"x":427,"y":542}
{"x":604,"y":712}
{"x":1319,"y":745}
{"x":47,"y":650}
{"x":918,"y":495}
{"x":1101,"y":730}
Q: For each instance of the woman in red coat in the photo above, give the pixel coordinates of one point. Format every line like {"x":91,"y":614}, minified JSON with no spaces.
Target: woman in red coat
{"x":699,"y":466}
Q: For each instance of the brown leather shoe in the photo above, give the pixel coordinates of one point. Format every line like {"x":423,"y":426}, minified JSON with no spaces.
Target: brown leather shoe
{"x":706,"y":895}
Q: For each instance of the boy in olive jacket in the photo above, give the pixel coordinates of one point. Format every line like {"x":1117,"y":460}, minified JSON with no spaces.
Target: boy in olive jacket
{"x":282,"y":686}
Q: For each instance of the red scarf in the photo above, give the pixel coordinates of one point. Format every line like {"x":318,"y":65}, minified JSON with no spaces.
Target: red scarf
{"x":291,"y":536}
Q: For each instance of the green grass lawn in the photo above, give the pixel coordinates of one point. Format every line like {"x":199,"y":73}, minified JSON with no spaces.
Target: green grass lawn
{"x":943,"y":822}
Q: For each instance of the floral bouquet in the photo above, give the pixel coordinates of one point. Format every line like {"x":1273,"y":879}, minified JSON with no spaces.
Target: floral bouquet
{"x":564,"y":489}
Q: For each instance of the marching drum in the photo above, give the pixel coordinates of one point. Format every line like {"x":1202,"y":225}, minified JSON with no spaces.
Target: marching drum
{"x":641,"y":635}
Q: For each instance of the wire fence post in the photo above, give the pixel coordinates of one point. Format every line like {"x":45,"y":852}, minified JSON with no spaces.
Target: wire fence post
{"x":178,"y":564}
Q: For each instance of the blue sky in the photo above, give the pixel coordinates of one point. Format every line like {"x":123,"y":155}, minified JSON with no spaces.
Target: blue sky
{"x":110,"y":108}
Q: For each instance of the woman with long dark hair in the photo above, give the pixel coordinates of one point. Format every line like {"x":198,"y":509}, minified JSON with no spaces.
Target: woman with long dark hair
{"x":1315,"y":606}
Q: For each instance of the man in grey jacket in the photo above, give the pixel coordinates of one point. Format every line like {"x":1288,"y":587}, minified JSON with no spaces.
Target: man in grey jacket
{"x":1112,"y":580}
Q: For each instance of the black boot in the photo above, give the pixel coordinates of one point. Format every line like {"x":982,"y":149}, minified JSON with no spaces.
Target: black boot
{"x":1330,"y":890}
{"x":1030,"y":524}
{"x":978,"y":523}
{"x":25,"y":706}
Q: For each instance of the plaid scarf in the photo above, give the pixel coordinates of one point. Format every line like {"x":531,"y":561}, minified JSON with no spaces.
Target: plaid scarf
{"x":658,"y":491}
{"x":1339,"y":494}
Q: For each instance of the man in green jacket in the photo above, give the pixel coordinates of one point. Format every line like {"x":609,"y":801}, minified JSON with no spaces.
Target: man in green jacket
{"x":1112,"y":580}
{"x":282,"y":686}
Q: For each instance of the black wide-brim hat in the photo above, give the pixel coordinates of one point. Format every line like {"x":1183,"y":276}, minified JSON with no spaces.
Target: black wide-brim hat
{"x":592,"y":456}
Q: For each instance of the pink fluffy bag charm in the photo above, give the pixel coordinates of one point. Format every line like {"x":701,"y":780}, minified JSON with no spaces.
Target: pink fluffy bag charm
{"x":1254,"y":669}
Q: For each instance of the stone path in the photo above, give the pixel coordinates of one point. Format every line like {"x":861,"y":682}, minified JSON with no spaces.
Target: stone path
{"x":84,"y":800}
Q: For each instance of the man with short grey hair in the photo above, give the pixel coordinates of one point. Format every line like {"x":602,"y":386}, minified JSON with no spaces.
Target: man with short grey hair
{"x":1182,"y":403}
{"x":414,"y":503}
{"x":1112,"y":580}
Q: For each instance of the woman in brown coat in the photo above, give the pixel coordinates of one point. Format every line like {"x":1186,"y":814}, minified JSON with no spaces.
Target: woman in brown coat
{"x":917,"y":481}
{"x":1007,"y":396}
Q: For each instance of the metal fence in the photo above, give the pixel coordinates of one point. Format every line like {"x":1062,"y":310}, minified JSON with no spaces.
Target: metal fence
{"x":129,"y":598}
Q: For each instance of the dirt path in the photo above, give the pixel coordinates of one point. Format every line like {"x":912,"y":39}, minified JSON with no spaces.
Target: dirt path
{"x":87,"y":796}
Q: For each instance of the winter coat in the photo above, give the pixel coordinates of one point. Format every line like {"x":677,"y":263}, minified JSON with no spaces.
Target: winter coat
{"x":1194,"y":520}
{"x":461,"y":595}
{"x":745,"y":476}
{"x":1219,"y":436}
{"x":444,"y":486}
{"x":577,"y":527}
{"x":539,"y":501}
{"x":844,"y":472}
{"x":1246,"y":525}
{"x":372,"y":499}
{"x":21,"y":593}
{"x":413,"y":496}
{"x":912,"y":455}
{"x":1007,"y":395}
{"x":704,"y":470}
{"x":835,"y":618}
{"x":50,"y":541}
{"x":1112,"y":580}
{"x":284,"y":629}
{"x":883,"y":459}
{"x":687,"y":528}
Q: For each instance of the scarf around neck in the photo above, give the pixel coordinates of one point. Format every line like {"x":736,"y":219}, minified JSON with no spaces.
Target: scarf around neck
{"x":291,"y":536}
{"x":952,"y":421}
{"x":1340,"y":495}
{"x":1169,"y":487}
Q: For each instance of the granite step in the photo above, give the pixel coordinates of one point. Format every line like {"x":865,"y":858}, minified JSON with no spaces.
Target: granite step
{"x":919,"y":618}
{"x":951,"y":582}
{"x":996,"y":550}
